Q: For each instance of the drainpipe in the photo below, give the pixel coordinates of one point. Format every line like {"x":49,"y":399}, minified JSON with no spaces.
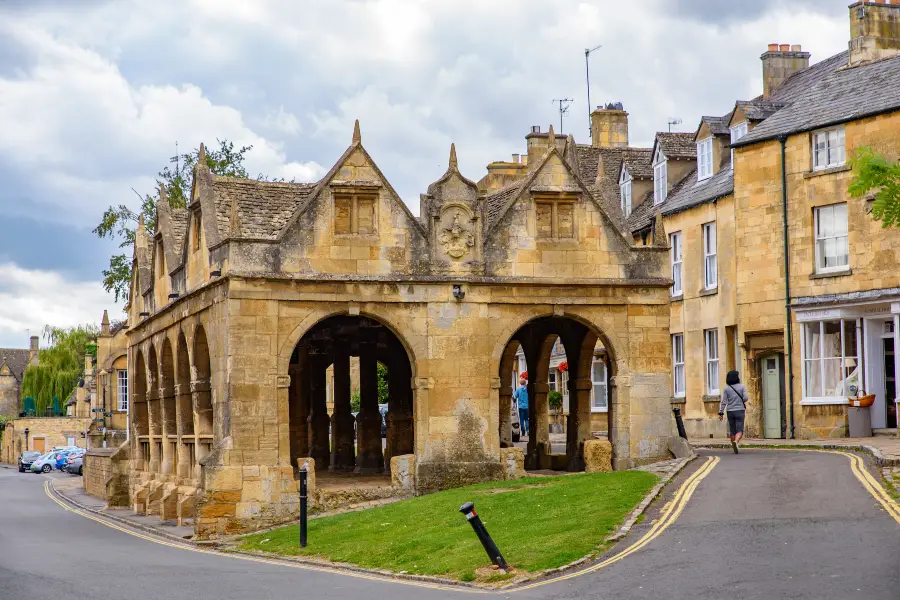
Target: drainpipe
{"x":787,"y":281}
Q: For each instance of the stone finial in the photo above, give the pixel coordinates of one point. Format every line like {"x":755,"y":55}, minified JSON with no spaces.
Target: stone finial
{"x":163,"y":197}
{"x":201,"y":155}
{"x":104,"y":324}
{"x":453,"y":162}
{"x":234,"y":224}
{"x":357,"y":137}
{"x":552,"y":136}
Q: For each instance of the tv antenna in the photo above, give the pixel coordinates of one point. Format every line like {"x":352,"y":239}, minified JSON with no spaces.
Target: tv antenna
{"x":563,"y":109}
{"x":674,"y":121}
{"x":587,"y":71}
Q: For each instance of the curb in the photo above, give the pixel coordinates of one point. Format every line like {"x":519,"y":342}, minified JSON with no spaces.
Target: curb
{"x":876,"y":454}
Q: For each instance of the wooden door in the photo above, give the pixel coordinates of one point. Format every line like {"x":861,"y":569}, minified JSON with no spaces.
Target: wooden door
{"x":39,"y":445}
{"x":771,"y":388}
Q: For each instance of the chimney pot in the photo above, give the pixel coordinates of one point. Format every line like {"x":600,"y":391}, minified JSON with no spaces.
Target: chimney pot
{"x":784,"y":48}
{"x":515,"y":158}
{"x":535,"y":129}
{"x":773,"y":47}
{"x":796,"y":48}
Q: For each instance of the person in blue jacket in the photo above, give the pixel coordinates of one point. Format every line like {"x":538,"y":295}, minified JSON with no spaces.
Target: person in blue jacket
{"x":521,"y":397}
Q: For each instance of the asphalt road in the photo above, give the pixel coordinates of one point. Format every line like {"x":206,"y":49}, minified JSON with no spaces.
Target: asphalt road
{"x":765,"y":524}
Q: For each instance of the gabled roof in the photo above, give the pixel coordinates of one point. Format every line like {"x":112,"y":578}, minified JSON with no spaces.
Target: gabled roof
{"x":694,"y":193}
{"x":497,"y":201}
{"x":638,"y":161}
{"x":758,"y":109}
{"x":799,"y":82}
{"x":264,"y":207}
{"x":843,"y":95}
{"x":716,"y":125}
{"x":587,"y":159}
{"x":676,"y":145}
{"x":16,"y":359}
{"x":644,"y":215}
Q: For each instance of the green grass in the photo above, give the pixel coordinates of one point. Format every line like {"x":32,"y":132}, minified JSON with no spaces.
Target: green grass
{"x":537,"y":522}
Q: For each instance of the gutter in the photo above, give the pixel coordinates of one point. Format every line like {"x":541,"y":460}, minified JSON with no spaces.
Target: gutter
{"x":787,"y":282}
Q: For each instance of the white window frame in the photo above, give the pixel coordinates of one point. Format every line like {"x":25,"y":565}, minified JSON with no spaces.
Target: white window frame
{"x":711,"y":345}
{"x":807,"y":400}
{"x":625,"y":191}
{"x":678,"y":365}
{"x":819,"y":211}
{"x":599,"y":384}
{"x":737,"y":132}
{"x":828,"y":148}
{"x":660,"y":178}
{"x":704,"y":159}
{"x":676,"y":258}
{"x":552,"y":382}
{"x":710,"y":259}
{"x":122,"y":389}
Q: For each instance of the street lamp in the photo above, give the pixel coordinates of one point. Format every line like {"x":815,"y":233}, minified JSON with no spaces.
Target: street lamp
{"x":26,"y":439}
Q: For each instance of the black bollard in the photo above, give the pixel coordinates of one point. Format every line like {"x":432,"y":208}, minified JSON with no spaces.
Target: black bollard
{"x":679,"y":422}
{"x":484,"y":537}
{"x":303,"y":475}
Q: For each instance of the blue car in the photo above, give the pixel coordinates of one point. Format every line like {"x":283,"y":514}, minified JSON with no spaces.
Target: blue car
{"x":61,"y":458}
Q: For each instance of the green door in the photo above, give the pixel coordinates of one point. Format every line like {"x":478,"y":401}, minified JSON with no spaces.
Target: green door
{"x":771,"y":388}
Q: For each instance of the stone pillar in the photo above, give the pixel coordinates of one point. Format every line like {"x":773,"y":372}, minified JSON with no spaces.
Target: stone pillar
{"x":318,"y":412}
{"x":154,"y":420}
{"x":400,"y":437}
{"x":619,"y":421}
{"x":167,"y":395}
{"x":342,"y":443}
{"x":370,"y":458}
{"x":184,"y":425}
{"x":298,"y":407}
{"x":505,"y":413}
{"x":538,"y":424}
{"x":578,"y":425}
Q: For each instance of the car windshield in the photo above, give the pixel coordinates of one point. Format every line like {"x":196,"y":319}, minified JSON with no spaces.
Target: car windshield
{"x":31,"y":454}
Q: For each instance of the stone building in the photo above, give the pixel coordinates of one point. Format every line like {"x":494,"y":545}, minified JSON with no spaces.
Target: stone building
{"x":242,"y":302}
{"x":728,"y":221}
{"x":13,"y":362}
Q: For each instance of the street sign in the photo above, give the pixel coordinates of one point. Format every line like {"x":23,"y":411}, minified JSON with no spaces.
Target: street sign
{"x":96,"y":410}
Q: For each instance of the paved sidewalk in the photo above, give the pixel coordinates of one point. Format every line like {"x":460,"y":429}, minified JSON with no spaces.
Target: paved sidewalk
{"x":885,"y":448}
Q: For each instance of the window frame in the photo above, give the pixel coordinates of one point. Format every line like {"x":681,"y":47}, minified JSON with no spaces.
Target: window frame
{"x":711,"y":354}
{"x":676,"y":261}
{"x":678,"y":343}
{"x":554,"y":202}
{"x":807,"y":400}
{"x":710,"y":283}
{"x":839,"y":149}
{"x":817,"y":254}
{"x":122,"y":390}
{"x":660,"y":178}
{"x":625,"y":191}
{"x":603,"y":384}
{"x":737,"y":132}
{"x":704,"y":167}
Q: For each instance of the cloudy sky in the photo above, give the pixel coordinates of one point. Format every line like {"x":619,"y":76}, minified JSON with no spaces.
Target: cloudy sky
{"x":94,"y":95}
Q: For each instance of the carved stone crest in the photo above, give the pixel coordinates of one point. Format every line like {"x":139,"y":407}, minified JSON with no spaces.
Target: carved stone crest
{"x":456,"y":238}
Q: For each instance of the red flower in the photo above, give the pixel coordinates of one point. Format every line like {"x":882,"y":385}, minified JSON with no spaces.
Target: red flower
{"x":523,"y":375}
{"x":563,"y":366}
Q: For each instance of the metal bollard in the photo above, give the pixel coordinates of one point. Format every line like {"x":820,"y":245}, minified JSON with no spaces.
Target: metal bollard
{"x":484,"y":537}
{"x":679,"y":422}
{"x":303,"y":474}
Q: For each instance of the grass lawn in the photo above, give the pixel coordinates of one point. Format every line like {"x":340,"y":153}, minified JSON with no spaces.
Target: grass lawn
{"x":537,"y":522}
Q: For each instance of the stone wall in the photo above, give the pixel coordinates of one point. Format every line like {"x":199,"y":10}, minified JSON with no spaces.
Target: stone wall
{"x":106,"y":475}
{"x":9,"y":394}
{"x":53,"y":431}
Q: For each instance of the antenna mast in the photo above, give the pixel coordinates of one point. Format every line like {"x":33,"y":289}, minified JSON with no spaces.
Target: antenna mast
{"x":587,"y":71}
{"x":674,"y":121}
{"x":563,"y":109}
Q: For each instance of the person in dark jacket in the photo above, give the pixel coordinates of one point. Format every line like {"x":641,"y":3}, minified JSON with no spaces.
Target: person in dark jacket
{"x":734,"y":403}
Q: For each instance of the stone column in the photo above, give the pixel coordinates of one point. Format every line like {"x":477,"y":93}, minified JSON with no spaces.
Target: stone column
{"x":342,"y":444}
{"x":154,"y":420}
{"x":538,"y":424}
{"x":298,"y":407}
{"x":167,"y":394}
{"x":400,"y":438}
{"x":184,"y":425}
{"x":370,"y":458}
{"x":505,"y":413}
{"x":318,"y":412}
{"x":620,"y":420}
{"x":578,"y":426}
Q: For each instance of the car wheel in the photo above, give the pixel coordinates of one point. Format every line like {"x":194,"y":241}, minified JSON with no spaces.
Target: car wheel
{"x":80,"y":471}
{"x":46,"y":468}
{"x":21,"y":469}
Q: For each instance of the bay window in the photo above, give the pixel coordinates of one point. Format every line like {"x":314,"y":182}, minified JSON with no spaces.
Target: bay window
{"x":830,"y":361}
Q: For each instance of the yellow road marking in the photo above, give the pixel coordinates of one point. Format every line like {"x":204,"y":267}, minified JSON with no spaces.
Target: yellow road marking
{"x":670,"y":512}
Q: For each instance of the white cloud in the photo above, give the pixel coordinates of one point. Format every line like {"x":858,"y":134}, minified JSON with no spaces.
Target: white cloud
{"x":31,"y":299}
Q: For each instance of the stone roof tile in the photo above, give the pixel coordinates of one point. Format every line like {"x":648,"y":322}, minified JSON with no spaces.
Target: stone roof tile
{"x":264,"y":207}
{"x":677,"y":145}
{"x":16,"y":359}
{"x":693,"y":193}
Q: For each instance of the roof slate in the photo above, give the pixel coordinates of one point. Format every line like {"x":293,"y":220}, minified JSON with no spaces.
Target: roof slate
{"x":16,"y":359}
{"x":264,"y":207}
{"x":759,"y":109}
{"x":643,"y":215}
{"x":639,"y":162}
{"x":693,"y":193}
{"x":799,"y":82}
{"x":179,"y":224}
{"x":844,"y":95}
{"x":677,"y":145}
{"x":718,"y":125}
{"x":588,"y":159}
{"x":496,"y":201}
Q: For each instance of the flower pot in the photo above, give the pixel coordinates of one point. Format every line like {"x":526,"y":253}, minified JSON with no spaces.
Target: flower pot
{"x":862,"y":401}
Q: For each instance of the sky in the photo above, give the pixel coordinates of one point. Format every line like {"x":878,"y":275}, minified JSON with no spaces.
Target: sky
{"x":95,"y":95}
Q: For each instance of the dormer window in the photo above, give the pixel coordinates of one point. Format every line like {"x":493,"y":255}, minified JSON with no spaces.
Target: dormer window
{"x":737,"y":132}
{"x":660,"y":178}
{"x":625,"y":192}
{"x":704,"y":159}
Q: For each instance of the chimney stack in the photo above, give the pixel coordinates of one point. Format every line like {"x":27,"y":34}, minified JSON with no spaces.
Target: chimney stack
{"x":609,"y":126}
{"x":35,"y":346}
{"x":780,"y":61}
{"x":874,"y":31}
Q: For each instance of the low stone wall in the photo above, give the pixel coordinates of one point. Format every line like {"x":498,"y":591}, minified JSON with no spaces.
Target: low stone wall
{"x":598,"y":456}
{"x":106,"y":475}
{"x":51,"y":431}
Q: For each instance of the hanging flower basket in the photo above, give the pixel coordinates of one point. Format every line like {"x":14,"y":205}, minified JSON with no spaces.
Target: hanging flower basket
{"x":563,"y":366}
{"x":862,"y":401}
{"x":523,"y":375}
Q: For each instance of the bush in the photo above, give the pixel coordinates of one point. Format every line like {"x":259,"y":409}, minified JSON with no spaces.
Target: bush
{"x":555,"y":399}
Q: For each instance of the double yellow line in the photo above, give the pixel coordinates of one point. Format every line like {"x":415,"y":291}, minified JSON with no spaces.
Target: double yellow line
{"x":668,"y":515}
{"x":858,"y":466}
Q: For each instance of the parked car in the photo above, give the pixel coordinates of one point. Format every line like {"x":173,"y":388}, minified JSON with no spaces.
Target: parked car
{"x":75,"y":466}
{"x":69,"y":457}
{"x":45,"y":463}
{"x":26,"y":458}
{"x":61,"y":457}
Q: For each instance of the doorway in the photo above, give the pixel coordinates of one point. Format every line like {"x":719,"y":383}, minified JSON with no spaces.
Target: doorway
{"x":39,"y":445}
{"x":880,"y":371}
{"x":890,"y":382}
{"x":772,"y":386}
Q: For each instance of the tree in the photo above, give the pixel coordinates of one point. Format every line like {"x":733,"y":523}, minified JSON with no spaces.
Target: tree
{"x":120,"y":222}
{"x":873,"y":171}
{"x":60,"y":365}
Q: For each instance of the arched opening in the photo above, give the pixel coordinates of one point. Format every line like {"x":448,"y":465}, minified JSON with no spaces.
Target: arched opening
{"x":140,"y":414}
{"x":154,"y":411}
{"x":184,"y":409}
{"x":167,"y":400}
{"x":202,"y":396}
{"x":568,"y":369}
{"x":324,"y":424}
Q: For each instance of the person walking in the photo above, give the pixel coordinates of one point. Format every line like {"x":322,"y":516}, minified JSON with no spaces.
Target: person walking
{"x":734,"y":403}
{"x":521,"y":397}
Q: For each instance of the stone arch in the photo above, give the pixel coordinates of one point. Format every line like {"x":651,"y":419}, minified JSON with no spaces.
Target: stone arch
{"x":140,"y":417}
{"x":184,"y":410}
{"x":167,"y":405}
{"x":200,"y":383}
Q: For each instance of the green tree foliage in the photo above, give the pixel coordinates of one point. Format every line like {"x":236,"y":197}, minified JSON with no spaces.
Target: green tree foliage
{"x":874,"y":172}
{"x":60,"y":365}
{"x":555,"y":400}
{"x":383,"y":393}
{"x":120,"y":222}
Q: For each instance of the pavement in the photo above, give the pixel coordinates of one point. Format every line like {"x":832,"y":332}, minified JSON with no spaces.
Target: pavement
{"x":885,"y":448}
{"x":762,"y":524}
